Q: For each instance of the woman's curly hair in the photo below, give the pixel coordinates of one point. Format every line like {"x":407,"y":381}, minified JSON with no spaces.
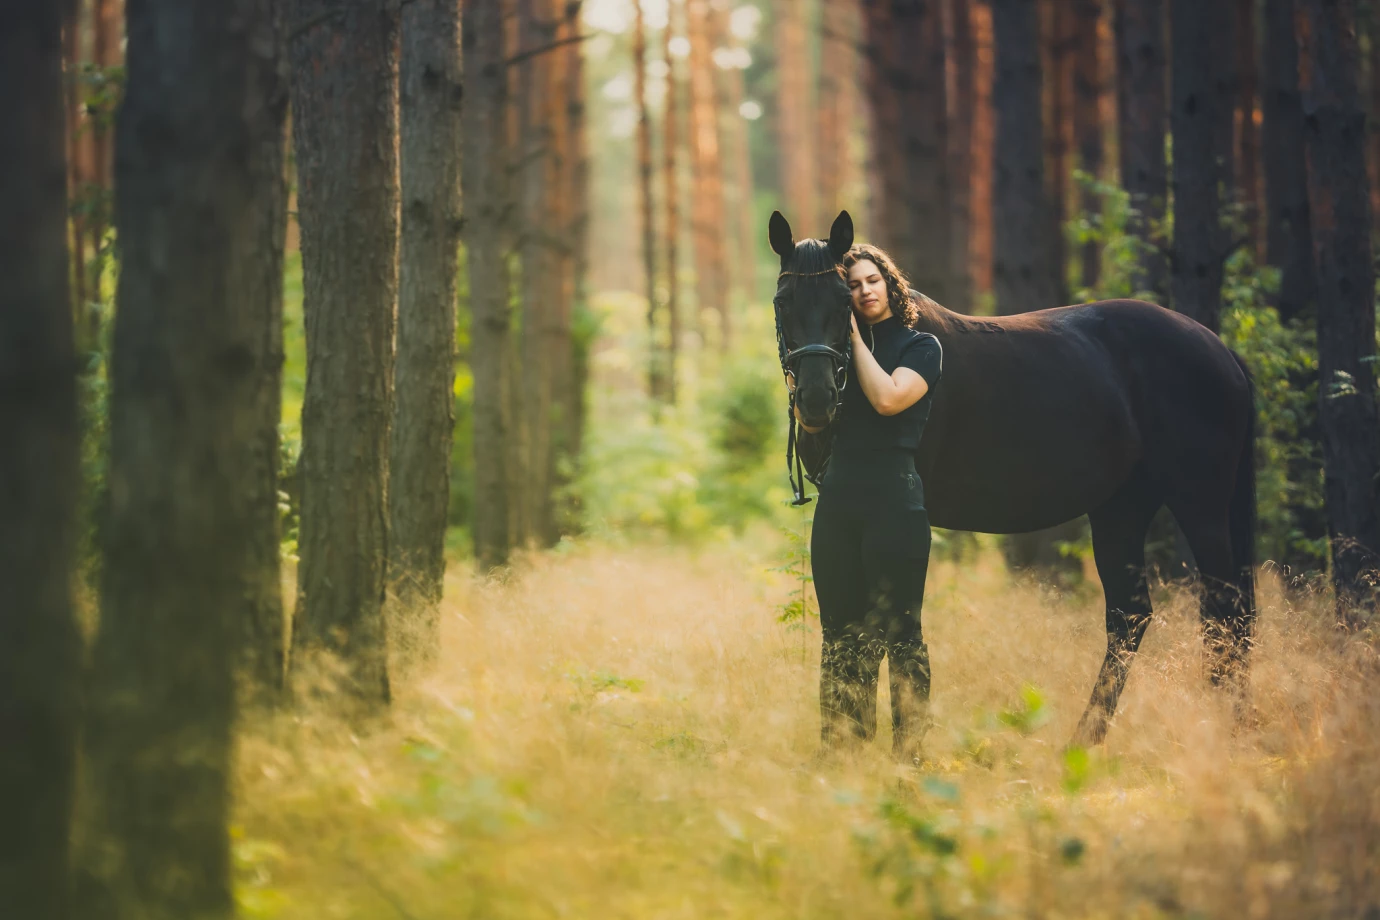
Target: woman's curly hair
{"x":903,"y":306}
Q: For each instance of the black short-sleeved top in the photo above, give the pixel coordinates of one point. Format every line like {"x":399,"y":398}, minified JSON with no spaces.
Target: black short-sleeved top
{"x":861,"y":427}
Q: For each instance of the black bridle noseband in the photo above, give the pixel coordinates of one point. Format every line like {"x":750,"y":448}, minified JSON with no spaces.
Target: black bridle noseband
{"x":789,"y":359}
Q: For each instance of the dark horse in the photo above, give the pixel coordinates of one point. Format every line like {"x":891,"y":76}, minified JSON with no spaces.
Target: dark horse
{"x":1108,"y":409}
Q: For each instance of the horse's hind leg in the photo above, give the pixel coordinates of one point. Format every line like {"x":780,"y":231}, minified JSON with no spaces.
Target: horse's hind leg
{"x":1118,"y":530}
{"x":1228,"y":623}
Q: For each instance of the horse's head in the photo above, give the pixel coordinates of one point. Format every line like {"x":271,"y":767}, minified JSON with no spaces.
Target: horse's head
{"x":812,"y":308}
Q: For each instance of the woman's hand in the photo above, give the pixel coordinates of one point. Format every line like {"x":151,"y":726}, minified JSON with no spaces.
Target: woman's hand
{"x":853,"y":324}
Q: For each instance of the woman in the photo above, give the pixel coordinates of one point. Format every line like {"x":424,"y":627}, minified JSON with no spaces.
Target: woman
{"x":871,"y":543}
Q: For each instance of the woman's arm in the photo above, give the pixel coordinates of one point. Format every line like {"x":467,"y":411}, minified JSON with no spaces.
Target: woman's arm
{"x":888,"y":393}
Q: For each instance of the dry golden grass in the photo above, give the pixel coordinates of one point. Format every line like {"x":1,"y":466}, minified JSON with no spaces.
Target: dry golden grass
{"x":631,"y":733}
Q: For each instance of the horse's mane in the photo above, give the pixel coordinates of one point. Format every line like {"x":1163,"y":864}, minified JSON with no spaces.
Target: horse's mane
{"x":811,"y":256}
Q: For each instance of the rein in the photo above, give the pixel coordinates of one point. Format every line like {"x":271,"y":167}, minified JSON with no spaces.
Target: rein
{"x":789,"y":358}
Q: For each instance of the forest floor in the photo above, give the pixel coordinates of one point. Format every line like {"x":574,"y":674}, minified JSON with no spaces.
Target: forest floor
{"x":631,"y":732}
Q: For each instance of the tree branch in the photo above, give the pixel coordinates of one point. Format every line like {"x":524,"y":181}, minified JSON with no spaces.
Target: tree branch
{"x":542,"y":49}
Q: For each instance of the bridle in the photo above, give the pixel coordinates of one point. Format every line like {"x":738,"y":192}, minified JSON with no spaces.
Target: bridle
{"x":789,"y":359}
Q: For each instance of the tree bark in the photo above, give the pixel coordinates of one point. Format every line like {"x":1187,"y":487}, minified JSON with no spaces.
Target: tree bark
{"x":1057,"y":60}
{"x":960,"y":57}
{"x":345,"y":129}
{"x":1246,"y":148}
{"x":1203,"y":96}
{"x":71,"y":63}
{"x":39,"y":646}
{"x":735,"y":128}
{"x":1289,"y":239}
{"x":259,"y":292}
{"x":981,"y":167}
{"x":707,"y":201}
{"x":484,"y":189}
{"x":647,"y":205}
{"x":670,"y":189}
{"x":186,"y":416}
{"x":794,"y":139}
{"x":1023,"y":273}
{"x":1339,"y":205}
{"x":424,"y":376}
{"x":571,"y":338}
{"x":906,"y":76}
{"x":1087,"y":125}
{"x":1142,"y":106}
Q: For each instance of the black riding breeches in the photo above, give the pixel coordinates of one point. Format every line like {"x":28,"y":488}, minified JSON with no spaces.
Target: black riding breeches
{"x":869,"y":553}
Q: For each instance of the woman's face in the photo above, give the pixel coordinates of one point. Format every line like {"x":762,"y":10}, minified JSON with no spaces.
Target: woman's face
{"x":868,"y":290}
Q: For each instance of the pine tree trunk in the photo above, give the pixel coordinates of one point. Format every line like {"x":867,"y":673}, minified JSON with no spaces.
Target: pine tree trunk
{"x":345,"y":132}
{"x":888,"y":167}
{"x":1023,"y":270}
{"x":1289,"y":240}
{"x":707,"y":200}
{"x":1247,"y":140}
{"x":1087,"y":124}
{"x":1056,"y":21}
{"x":1339,"y":205}
{"x":647,"y":203}
{"x":1023,"y":273}
{"x":572,"y":345}
{"x":484,"y":189}
{"x":75,"y":125}
{"x":39,"y":646}
{"x":424,"y":376}
{"x":260,"y":293}
{"x":981,"y":169}
{"x":1203,"y":95}
{"x":670,"y":190}
{"x":746,"y":230}
{"x":1142,"y":106}
{"x":906,"y":65}
{"x":961,"y":63}
{"x":532,"y":370}
{"x":794,"y":139}
{"x":187,"y":376}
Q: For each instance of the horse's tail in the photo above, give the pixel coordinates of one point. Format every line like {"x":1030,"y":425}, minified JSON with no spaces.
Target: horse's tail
{"x":1242,"y":512}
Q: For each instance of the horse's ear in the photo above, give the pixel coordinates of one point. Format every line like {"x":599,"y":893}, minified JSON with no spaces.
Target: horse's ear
{"x":841,"y":236}
{"x":782,"y":243}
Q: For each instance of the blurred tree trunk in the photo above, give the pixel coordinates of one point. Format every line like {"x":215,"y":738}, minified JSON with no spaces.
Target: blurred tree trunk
{"x":1339,"y":204}
{"x":1289,"y":242}
{"x":735,"y":126}
{"x":670,"y":188}
{"x":1372,"y":113}
{"x":794,"y":139}
{"x":572,"y":347}
{"x":76,"y":181}
{"x":1201,"y":116}
{"x":960,"y":56}
{"x":706,"y":160}
{"x":1023,"y":271}
{"x":345,"y":132}
{"x":1057,"y":63}
{"x":39,"y":645}
{"x":1142,"y":83}
{"x":538,"y":283}
{"x":905,"y":56}
{"x":1246,"y":148}
{"x":647,"y":204}
{"x":424,"y":376}
{"x":105,"y":48}
{"x":185,"y":419}
{"x":1087,"y":124}
{"x":981,"y":168}
{"x":484,"y":171}
{"x":1289,"y":246}
{"x":259,"y":292}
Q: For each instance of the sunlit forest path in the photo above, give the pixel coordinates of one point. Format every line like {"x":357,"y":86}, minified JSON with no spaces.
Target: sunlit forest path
{"x":622,"y":731}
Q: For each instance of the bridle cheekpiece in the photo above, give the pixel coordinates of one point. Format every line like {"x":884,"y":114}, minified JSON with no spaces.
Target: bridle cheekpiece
{"x":789,"y":359}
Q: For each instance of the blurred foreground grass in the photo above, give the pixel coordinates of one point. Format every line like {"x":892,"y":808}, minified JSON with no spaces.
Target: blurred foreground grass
{"x":630,"y":732}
